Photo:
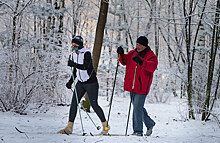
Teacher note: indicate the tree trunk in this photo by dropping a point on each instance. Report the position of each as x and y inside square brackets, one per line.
[215, 94]
[189, 60]
[168, 36]
[127, 33]
[100, 33]
[215, 38]
[15, 53]
[138, 19]
[99, 38]
[156, 29]
[61, 19]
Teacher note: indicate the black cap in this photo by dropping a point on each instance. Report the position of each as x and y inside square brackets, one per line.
[143, 41]
[78, 40]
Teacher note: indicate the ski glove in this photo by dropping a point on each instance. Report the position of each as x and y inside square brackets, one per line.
[71, 63]
[69, 83]
[120, 50]
[138, 60]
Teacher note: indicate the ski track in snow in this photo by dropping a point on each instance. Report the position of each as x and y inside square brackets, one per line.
[170, 125]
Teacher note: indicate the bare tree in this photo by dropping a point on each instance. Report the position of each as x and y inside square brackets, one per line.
[190, 6]
[214, 47]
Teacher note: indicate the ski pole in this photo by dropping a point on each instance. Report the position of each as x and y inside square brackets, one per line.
[97, 127]
[77, 101]
[132, 94]
[113, 90]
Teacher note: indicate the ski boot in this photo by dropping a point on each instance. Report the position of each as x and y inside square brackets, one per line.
[149, 131]
[67, 130]
[105, 129]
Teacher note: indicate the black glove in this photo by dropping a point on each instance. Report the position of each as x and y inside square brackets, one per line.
[120, 50]
[71, 63]
[69, 83]
[138, 60]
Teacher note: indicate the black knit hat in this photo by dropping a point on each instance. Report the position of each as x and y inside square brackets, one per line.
[78, 40]
[143, 41]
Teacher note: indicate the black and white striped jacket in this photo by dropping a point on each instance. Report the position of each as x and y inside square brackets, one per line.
[83, 70]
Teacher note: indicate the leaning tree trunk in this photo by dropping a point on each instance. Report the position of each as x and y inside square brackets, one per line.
[100, 32]
[99, 35]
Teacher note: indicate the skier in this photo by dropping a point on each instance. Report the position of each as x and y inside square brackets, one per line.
[146, 62]
[81, 61]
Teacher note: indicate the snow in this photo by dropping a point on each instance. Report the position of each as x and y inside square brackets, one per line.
[171, 126]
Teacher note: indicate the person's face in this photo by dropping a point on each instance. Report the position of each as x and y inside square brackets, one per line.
[75, 45]
[140, 47]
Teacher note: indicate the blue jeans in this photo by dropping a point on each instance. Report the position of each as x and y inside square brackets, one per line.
[140, 114]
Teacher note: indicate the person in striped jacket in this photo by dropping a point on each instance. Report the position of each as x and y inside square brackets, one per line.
[81, 62]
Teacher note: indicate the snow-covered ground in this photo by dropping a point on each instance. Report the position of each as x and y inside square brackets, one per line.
[170, 125]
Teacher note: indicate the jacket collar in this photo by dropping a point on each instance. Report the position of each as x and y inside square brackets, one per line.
[82, 50]
[143, 53]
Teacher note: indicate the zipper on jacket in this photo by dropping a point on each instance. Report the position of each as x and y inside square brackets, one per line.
[148, 82]
[140, 82]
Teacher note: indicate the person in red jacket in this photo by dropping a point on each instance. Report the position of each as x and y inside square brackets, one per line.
[140, 66]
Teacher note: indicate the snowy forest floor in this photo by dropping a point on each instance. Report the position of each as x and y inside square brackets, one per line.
[171, 127]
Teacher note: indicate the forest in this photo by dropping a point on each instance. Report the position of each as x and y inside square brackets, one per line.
[35, 42]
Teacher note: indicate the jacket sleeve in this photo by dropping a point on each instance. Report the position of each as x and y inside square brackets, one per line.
[74, 75]
[124, 58]
[150, 64]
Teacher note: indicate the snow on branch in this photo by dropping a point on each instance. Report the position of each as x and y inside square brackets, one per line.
[3, 3]
[28, 3]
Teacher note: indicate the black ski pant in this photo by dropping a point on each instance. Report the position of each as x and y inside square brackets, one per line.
[92, 91]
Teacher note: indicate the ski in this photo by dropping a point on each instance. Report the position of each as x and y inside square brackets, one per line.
[90, 134]
[74, 134]
[21, 132]
[107, 134]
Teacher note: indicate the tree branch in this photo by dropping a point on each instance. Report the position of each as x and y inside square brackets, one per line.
[23, 8]
[2, 3]
[3, 105]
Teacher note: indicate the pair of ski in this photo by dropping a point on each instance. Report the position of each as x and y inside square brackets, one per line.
[90, 134]
[76, 134]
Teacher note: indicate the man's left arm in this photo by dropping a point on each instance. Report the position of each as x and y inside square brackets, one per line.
[150, 64]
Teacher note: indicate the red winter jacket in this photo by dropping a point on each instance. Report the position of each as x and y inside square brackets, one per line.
[144, 73]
